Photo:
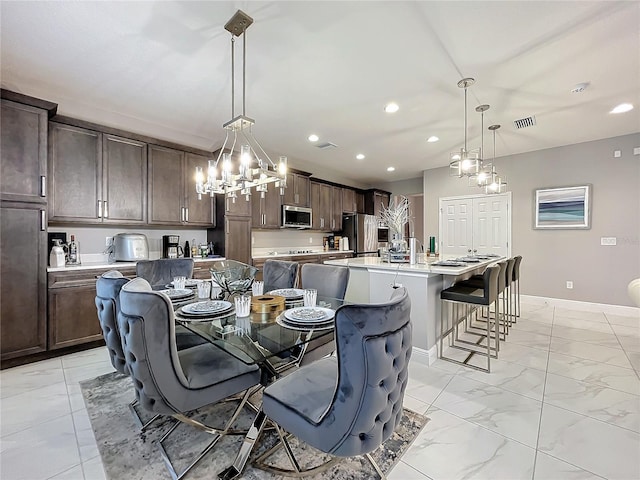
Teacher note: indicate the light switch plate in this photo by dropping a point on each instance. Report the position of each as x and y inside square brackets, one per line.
[636, 150]
[617, 154]
[608, 240]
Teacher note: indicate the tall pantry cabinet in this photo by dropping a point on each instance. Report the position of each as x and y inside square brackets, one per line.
[23, 224]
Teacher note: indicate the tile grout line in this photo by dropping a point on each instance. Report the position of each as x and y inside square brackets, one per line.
[544, 390]
[73, 421]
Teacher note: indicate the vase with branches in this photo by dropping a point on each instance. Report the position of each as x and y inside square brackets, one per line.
[396, 217]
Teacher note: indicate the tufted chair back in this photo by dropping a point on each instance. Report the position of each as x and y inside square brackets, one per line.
[279, 274]
[329, 280]
[108, 288]
[147, 331]
[373, 349]
[160, 272]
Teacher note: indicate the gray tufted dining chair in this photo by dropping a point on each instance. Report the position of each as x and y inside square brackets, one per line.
[330, 281]
[279, 274]
[350, 404]
[108, 287]
[172, 382]
[160, 272]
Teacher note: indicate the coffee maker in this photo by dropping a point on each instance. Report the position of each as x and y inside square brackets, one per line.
[171, 247]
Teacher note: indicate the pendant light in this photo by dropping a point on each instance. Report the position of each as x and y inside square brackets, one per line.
[465, 162]
[494, 183]
[478, 179]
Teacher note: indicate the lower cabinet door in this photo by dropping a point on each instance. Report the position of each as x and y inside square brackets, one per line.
[73, 318]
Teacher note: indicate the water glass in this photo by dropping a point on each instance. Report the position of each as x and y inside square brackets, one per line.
[216, 291]
[179, 283]
[257, 287]
[243, 305]
[204, 290]
[310, 296]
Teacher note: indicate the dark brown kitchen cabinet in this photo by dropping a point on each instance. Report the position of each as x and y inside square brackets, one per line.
[172, 196]
[75, 174]
[124, 180]
[336, 209]
[201, 269]
[266, 211]
[23, 147]
[237, 234]
[348, 200]
[198, 211]
[73, 318]
[23, 252]
[374, 200]
[321, 206]
[96, 178]
[237, 206]
[360, 202]
[297, 191]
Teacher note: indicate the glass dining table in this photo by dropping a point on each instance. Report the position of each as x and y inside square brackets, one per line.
[269, 339]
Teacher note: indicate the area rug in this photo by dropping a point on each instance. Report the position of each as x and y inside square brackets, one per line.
[127, 453]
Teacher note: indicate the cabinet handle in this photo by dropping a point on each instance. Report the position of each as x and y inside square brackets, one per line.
[43, 186]
[264, 218]
[182, 214]
[106, 212]
[43, 221]
[99, 208]
[186, 214]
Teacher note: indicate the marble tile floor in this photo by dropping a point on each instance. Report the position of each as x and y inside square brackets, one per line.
[562, 402]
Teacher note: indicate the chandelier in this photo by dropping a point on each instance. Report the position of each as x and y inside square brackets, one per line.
[254, 167]
[465, 162]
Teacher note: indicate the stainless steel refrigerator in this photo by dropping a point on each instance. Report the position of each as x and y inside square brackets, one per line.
[362, 232]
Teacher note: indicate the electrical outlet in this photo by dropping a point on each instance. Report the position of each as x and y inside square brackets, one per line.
[108, 241]
[608, 240]
[617, 154]
[310, 239]
[569, 284]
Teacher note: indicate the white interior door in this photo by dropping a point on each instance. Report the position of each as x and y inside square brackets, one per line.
[475, 224]
[490, 225]
[456, 226]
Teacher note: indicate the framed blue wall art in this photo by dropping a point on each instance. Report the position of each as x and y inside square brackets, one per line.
[563, 207]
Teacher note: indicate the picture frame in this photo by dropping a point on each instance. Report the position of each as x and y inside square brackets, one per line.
[562, 208]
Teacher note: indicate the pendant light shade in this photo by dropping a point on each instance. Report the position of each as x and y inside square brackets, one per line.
[465, 162]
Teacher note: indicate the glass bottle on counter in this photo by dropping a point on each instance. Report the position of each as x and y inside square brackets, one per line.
[194, 248]
[74, 252]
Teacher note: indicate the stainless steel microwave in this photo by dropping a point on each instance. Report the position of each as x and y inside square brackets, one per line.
[296, 217]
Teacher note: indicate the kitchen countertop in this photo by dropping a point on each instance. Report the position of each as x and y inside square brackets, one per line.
[287, 254]
[116, 265]
[419, 268]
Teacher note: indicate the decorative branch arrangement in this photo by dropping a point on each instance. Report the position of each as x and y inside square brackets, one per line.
[396, 216]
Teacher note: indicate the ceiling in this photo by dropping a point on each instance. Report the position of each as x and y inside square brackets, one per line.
[163, 69]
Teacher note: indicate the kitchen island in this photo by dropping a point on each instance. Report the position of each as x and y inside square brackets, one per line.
[371, 280]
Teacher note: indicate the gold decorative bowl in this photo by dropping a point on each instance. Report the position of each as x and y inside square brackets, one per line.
[266, 308]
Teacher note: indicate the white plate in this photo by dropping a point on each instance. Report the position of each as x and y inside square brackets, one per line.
[175, 293]
[283, 323]
[206, 307]
[288, 293]
[189, 283]
[303, 315]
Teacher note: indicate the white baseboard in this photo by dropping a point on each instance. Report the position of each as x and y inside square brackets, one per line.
[425, 357]
[578, 305]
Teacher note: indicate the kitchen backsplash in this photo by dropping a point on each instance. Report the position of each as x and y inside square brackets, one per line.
[92, 240]
[283, 240]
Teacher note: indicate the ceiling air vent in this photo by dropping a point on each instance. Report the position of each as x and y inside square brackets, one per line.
[525, 122]
[324, 145]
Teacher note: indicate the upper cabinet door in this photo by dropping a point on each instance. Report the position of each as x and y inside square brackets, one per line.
[297, 191]
[165, 186]
[348, 200]
[23, 150]
[198, 212]
[336, 209]
[75, 173]
[124, 180]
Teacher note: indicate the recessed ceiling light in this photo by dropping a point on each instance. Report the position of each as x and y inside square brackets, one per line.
[390, 169]
[432, 139]
[391, 107]
[313, 137]
[360, 156]
[622, 108]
